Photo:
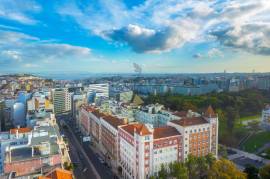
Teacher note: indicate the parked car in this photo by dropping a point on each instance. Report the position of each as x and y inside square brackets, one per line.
[101, 160]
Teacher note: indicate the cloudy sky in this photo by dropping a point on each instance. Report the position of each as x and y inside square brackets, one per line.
[104, 36]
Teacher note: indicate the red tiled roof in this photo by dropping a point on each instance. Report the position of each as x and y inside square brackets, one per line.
[20, 130]
[167, 131]
[114, 121]
[97, 113]
[89, 108]
[190, 121]
[140, 129]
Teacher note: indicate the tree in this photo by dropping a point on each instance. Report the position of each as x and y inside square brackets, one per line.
[68, 166]
[189, 106]
[222, 150]
[252, 172]
[192, 166]
[202, 166]
[163, 173]
[232, 115]
[178, 170]
[210, 159]
[265, 172]
[225, 169]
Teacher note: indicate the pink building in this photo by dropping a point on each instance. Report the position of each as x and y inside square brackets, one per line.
[143, 149]
[140, 150]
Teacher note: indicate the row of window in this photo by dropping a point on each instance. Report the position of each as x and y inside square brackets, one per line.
[199, 130]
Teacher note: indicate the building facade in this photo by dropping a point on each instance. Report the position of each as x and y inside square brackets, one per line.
[61, 100]
[265, 119]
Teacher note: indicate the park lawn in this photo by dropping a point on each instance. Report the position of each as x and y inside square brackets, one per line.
[256, 141]
[249, 118]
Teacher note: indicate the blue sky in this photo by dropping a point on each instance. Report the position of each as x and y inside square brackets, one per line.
[108, 36]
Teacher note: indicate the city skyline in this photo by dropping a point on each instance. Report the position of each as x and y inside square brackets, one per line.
[109, 36]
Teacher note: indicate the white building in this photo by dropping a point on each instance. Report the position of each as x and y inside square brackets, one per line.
[100, 89]
[97, 90]
[13, 138]
[155, 115]
[265, 121]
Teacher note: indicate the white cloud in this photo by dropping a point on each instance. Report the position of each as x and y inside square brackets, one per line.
[171, 24]
[30, 65]
[19, 11]
[15, 55]
[152, 41]
[215, 53]
[19, 47]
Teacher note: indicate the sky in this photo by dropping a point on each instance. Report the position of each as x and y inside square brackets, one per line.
[109, 36]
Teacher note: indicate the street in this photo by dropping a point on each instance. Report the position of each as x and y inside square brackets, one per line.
[79, 162]
[86, 169]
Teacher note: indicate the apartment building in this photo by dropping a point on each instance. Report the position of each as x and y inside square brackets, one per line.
[61, 100]
[109, 137]
[141, 149]
[14, 137]
[265, 119]
[135, 150]
[37, 148]
[154, 114]
[167, 147]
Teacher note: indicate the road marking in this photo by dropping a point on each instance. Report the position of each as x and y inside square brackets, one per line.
[83, 152]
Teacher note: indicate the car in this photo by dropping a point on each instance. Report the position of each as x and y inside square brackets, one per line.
[85, 169]
[101, 160]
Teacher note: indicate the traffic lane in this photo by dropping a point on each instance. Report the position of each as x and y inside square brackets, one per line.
[81, 170]
[82, 151]
[103, 171]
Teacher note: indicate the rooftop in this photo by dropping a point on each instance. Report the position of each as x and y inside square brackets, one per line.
[114, 121]
[210, 112]
[167, 131]
[140, 129]
[21, 153]
[97, 113]
[180, 113]
[59, 173]
[186, 121]
[20, 130]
